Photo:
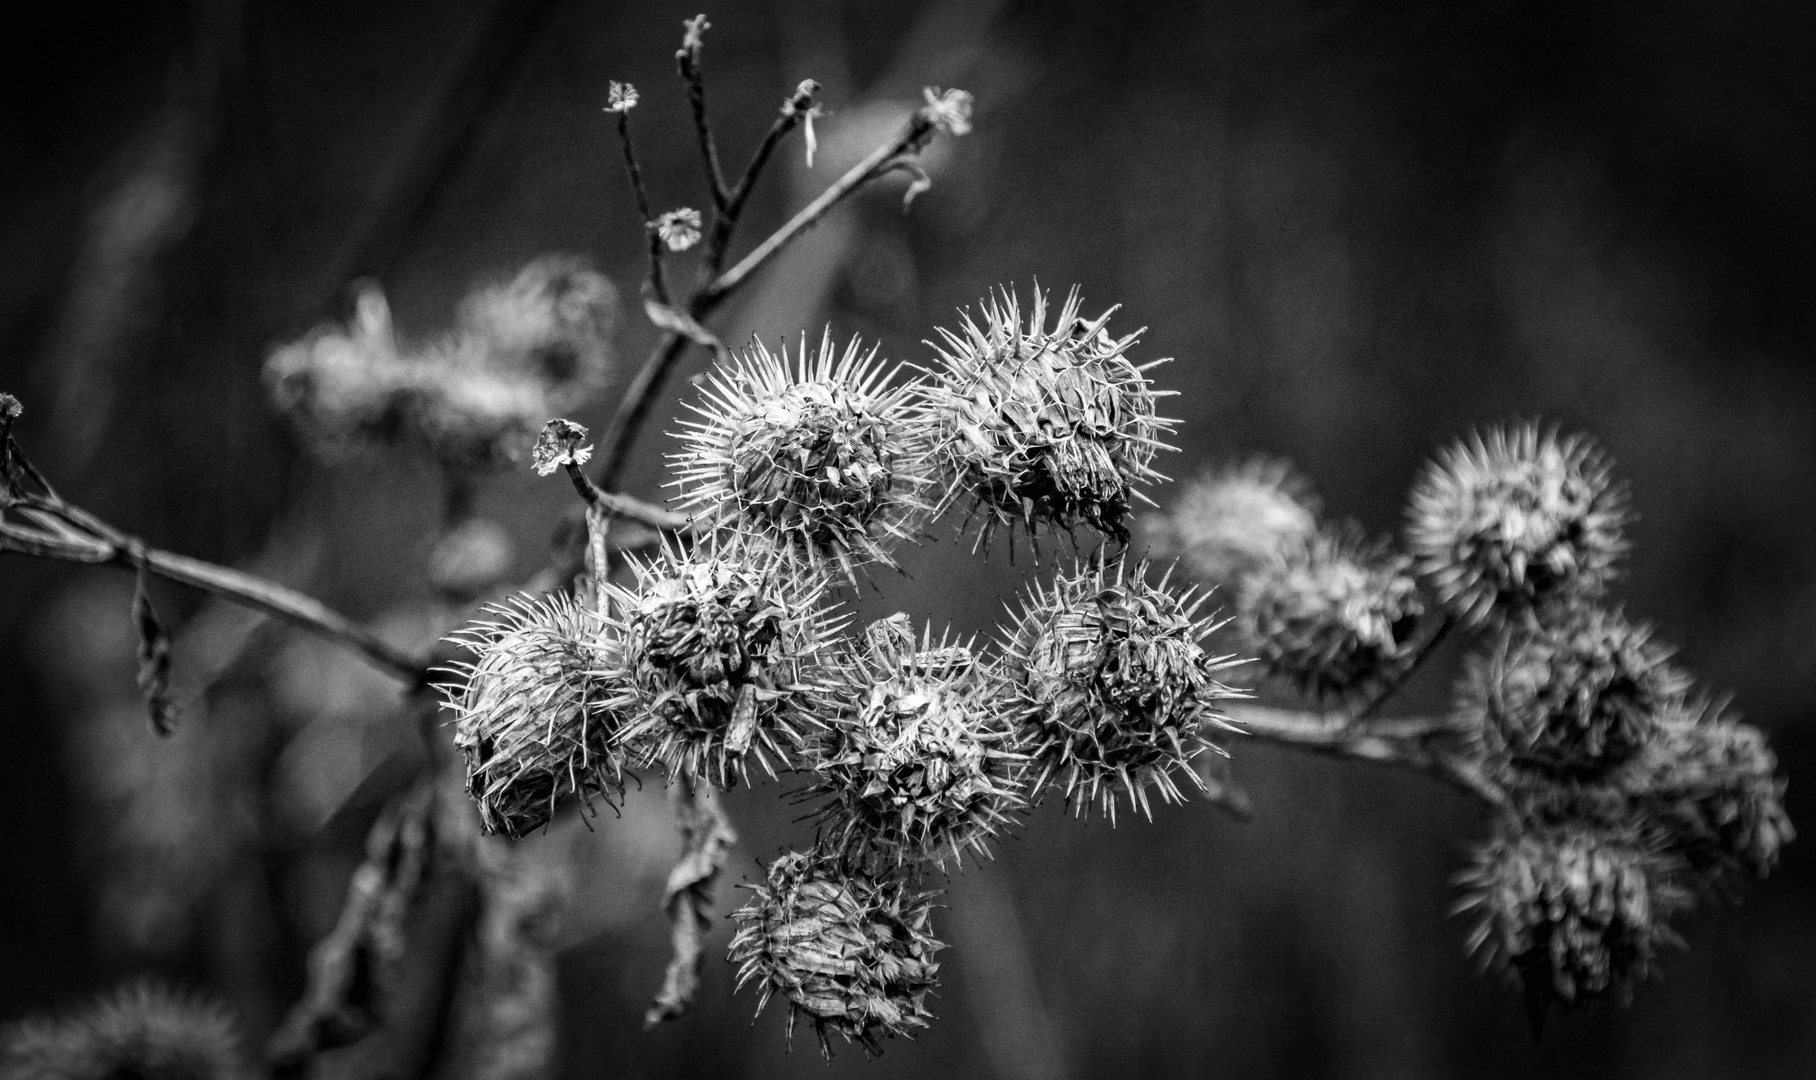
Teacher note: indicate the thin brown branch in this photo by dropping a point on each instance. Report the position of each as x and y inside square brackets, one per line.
[625, 506]
[1426, 648]
[796, 109]
[687, 59]
[652, 237]
[1429, 745]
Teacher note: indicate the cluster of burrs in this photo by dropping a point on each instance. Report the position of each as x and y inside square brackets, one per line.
[726, 646]
[1623, 794]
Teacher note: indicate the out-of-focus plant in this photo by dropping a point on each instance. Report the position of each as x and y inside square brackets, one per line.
[1617, 795]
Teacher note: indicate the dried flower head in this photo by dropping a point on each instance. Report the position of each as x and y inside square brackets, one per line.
[1234, 519]
[620, 97]
[1573, 915]
[921, 765]
[143, 1029]
[949, 110]
[1710, 784]
[560, 444]
[679, 229]
[1515, 521]
[535, 714]
[1335, 615]
[1112, 686]
[1574, 698]
[853, 953]
[823, 455]
[1042, 426]
[721, 658]
[550, 324]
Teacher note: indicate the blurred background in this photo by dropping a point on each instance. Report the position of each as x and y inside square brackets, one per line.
[1360, 229]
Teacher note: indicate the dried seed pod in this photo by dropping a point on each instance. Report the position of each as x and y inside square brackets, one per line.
[1335, 615]
[1572, 915]
[1515, 523]
[823, 455]
[853, 953]
[1043, 427]
[1112, 686]
[721, 658]
[535, 715]
[1572, 699]
[921, 764]
[1710, 784]
[1230, 521]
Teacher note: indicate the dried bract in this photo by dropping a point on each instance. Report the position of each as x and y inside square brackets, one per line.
[1575, 698]
[1043, 426]
[1111, 685]
[822, 455]
[534, 715]
[721, 659]
[1334, 615]
[1574, 916]
[921, 764]
[1232, 520]
[852, 953]
[1514, 522]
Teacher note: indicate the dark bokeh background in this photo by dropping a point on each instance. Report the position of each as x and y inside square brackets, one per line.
[1361, 229]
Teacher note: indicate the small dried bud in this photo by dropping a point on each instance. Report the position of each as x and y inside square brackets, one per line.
[559, 445]
[693, 37]
[140, 1030]
[1112, 686]
[1711, 784]
[1041, 426]
[1335, 616]
[679, 229]
[1515, 522]
[1573, 699]
[949, 110]
[852, 953]
[535, 713]
[922, 764]
[1232, 520]
[822, 456]
[620, 97]
[1573, 916]
[721, 656]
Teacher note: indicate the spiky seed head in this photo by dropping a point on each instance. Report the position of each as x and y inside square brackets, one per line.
[1335, 615]
[1232, 520]
[536, 715]
[1112, 687]
[1573, 915]
[1042, 425]
[822, 454]
[921, 765]
[851, 952]
[1573, 698]
[1711, 784]
[143, 1029]
[722, 657]
[1514, 522]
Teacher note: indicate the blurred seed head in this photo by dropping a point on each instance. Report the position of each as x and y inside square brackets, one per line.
[536, 713]
[1232, 520]
[473, 399]
[471, 559]
[1334, 614]
[143, 1029]
[1574, 916]
[1514, 523]
[1574, 698]
[822, 455]
[853, 953]
[1041, 426]
[1112, 686]
[723, 658]
[1710, 784]
[921, 764]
